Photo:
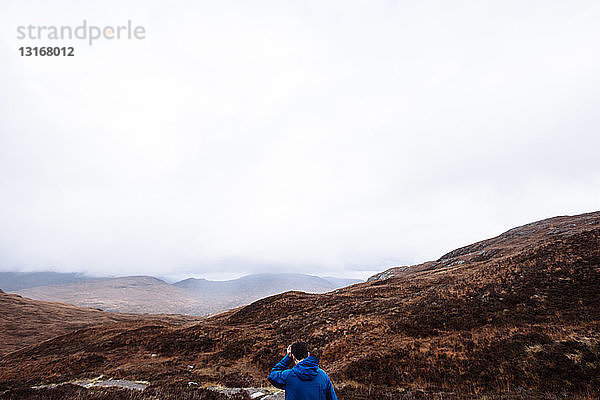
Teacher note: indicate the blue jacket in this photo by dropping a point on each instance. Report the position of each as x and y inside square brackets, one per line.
[306, 381]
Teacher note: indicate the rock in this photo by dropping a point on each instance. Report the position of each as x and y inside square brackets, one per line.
[119, 383]
[254, 392]
[275, 396]
[125, 384]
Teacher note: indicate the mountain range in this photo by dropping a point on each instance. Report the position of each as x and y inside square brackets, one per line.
[512, 317]
[146, 294]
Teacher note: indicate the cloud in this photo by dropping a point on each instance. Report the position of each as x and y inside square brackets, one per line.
[306, 136]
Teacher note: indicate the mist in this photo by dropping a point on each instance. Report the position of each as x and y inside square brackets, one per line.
[330, 138]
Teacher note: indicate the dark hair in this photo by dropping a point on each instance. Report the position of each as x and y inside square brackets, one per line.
[300, 350]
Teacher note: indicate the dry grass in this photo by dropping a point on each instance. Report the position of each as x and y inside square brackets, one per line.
[514, 317]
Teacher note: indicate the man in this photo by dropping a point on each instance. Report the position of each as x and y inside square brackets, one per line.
[305, 381]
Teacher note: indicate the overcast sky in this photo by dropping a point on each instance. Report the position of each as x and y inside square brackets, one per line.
[325, 137]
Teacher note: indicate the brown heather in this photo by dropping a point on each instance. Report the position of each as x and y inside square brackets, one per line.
[513, 317]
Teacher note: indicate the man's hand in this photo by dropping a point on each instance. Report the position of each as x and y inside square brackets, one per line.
[289, 351]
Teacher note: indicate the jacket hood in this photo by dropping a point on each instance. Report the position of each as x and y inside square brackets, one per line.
[306, 370]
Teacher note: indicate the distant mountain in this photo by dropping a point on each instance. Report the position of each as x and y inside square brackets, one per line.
[146, 294]
[244, 290]
[12, 281]
[261, 284]
[341, 282]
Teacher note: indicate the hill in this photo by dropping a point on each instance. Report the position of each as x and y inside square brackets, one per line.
[513, 317]
[515, 240]
[25, 322]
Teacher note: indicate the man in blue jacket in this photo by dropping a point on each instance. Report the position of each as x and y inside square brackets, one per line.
[305, 381]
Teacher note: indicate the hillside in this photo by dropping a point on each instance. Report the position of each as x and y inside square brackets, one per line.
[518, 314]
[25, 322]
[513, 241]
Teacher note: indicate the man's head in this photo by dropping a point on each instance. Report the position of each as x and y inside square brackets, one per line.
[299, 351]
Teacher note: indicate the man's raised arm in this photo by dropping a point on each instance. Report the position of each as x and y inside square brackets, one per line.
[278, 375]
